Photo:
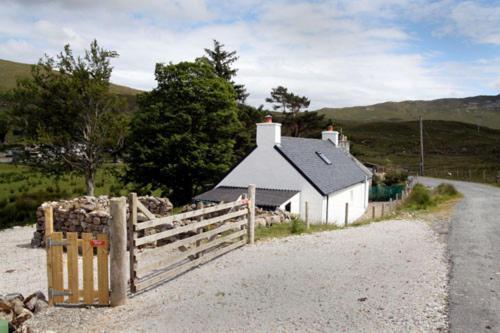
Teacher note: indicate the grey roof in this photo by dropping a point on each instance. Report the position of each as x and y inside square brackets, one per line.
[263, 197]
[344, 170]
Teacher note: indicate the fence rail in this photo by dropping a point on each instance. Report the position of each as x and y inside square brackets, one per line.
[186, 246]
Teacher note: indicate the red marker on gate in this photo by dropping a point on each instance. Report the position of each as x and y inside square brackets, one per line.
[97, 242]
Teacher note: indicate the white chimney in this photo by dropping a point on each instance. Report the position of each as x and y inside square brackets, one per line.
[268, 133]
[331, 135]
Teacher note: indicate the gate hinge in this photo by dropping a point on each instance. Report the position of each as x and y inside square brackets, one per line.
[53, 293]
[51, 242]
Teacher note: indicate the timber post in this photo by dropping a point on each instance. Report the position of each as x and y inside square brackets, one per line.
[251, 214]
[132, 222]
[346, 221]
[118, 233]
[307, 215]
[373, 212]
[49, 229]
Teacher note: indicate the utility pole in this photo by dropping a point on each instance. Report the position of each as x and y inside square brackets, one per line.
[421, 147]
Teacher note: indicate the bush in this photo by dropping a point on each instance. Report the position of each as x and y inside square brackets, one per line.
[297, 226]
[420, 198]
[446, 189]
[395, 177]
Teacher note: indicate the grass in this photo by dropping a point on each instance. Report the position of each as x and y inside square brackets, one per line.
[23, 189]
[295, 227]
[481, 110]
[10, 71]
[421, 200]
[452, 150]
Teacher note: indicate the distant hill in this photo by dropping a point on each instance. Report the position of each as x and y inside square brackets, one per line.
[10, 71]
[479, 110]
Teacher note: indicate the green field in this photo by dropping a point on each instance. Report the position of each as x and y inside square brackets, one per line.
[449, 147]
[22, 190]
[479, 110]
[10, 71]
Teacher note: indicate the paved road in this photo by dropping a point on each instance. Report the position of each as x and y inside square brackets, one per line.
[474, 249]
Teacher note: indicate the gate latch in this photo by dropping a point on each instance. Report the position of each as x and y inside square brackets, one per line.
[51, 242]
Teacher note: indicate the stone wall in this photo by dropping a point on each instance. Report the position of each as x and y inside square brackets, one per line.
[89, 214]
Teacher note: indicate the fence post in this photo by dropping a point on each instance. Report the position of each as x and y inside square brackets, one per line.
[118, 273]
[383, 209]
[307, 215]
[346, 214]
[49, 229]
[373, 212]
[251, 214]
[132, 222]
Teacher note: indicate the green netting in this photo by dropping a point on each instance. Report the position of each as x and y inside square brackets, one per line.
[385, 193]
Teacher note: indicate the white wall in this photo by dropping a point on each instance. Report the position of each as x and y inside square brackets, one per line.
[357, 198]
[294, 204]
[266, 168]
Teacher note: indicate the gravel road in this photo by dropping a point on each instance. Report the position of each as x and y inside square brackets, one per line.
[383, 277]
[474, 250]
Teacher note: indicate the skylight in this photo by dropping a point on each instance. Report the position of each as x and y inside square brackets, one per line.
[323, 157]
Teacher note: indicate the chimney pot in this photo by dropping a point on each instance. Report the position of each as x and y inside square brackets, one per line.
[268, 119]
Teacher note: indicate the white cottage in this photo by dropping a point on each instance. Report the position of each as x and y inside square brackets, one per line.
[288, 172]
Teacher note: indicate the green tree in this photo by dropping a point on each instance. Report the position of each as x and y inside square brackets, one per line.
[4, 126]
[295, 123]
[182, 139]
[222, 60]
[65, 110]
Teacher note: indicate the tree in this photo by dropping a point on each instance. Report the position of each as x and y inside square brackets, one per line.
[287, 101]
[307, 124]
[221, 61]
[4, 126]
[291, 105]
[182, 139]
[67, 112]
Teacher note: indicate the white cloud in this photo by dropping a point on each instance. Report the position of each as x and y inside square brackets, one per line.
[337, 53]
[480, 23]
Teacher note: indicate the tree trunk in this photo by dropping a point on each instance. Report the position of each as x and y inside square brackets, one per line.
[89, 182]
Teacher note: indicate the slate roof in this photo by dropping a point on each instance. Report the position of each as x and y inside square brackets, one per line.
[343, 171]
[263, 197]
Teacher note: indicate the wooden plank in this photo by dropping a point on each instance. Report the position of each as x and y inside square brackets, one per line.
[57, 266]
[183, 268]
[146, 212]
[88, 268]
[185, 241]
[132, 224]
[163, 263]
[72, 258]
[187, 215]
[102, 270]
[189, 227]
[49, 228]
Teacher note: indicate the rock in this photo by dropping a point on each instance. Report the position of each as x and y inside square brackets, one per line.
[31, 301]
[20, 318]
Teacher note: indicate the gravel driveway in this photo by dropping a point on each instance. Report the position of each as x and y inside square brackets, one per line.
[474, 249]
[389, 276]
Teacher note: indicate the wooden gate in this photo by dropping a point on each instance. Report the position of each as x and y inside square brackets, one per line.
[70, 292]
[217, 230]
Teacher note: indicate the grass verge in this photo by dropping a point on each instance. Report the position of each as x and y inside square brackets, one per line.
[421, 200]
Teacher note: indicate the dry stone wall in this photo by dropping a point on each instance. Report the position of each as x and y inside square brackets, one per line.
[89, 214]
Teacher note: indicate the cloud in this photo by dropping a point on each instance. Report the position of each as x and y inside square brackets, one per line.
[478, 22]
[338, 53]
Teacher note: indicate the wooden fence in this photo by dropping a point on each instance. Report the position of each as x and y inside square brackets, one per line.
[55, 244]
[218, 229]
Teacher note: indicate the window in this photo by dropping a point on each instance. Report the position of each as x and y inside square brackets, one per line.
[324, 158]
[288, 207]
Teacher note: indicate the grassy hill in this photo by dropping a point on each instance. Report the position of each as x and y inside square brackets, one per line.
[448, 146]
[10, 71]
[479, 110]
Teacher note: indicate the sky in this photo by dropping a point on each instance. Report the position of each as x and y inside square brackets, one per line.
[337, 53]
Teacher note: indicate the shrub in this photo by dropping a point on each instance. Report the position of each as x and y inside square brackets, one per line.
[420, 198]
[446, 189]
[297, 226]
[395, 177]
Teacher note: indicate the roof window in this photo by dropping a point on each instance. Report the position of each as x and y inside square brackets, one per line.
[323, 157]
